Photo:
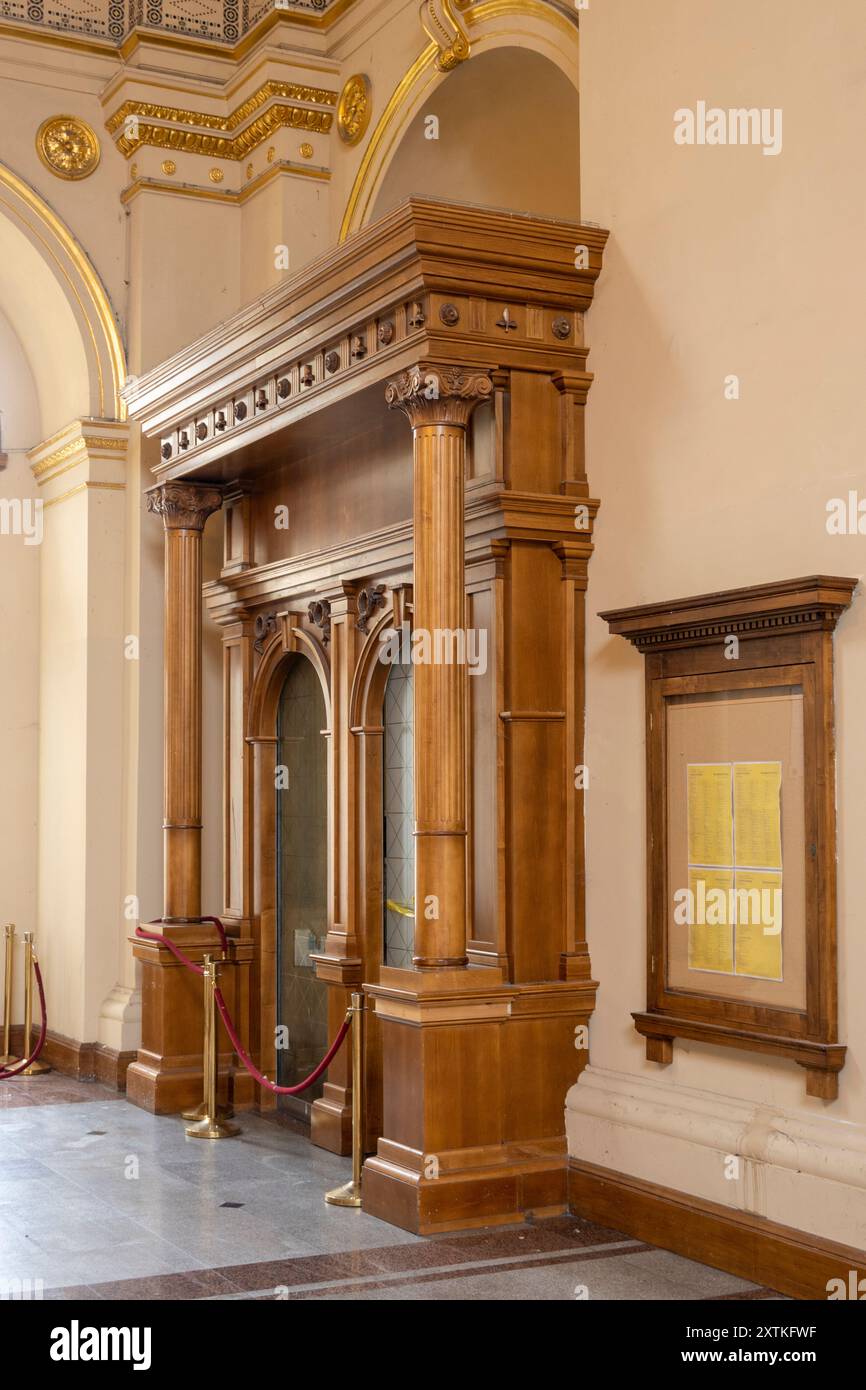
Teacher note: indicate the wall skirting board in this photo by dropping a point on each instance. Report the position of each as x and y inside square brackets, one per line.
[84, 1061]
[651, 1159]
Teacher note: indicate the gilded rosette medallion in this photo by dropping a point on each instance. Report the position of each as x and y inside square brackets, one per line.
[68, 147]
[354, 109]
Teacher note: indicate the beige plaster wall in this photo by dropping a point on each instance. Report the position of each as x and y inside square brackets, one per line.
[721, 261]
[19, 650]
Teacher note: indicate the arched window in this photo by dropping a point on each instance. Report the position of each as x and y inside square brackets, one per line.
[302, 875]
[399, 814]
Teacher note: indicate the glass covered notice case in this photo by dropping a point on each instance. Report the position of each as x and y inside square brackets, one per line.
[741, 891]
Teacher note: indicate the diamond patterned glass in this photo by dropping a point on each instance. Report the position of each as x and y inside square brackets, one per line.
[302, 873]
[399, 809]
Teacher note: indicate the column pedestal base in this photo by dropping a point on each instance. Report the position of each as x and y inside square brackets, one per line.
[166, 1076]
[475, 1075]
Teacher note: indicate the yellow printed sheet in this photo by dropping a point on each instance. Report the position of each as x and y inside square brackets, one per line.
[710, 814]
[735, 858]
[711, 934]
[758, 815]
[758, 907]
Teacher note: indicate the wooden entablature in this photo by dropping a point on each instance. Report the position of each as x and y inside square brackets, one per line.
[433, 281]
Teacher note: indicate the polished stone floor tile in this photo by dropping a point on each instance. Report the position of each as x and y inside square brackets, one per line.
[101, 1200]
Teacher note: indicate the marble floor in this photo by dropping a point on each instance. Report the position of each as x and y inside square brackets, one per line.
[100, 1200]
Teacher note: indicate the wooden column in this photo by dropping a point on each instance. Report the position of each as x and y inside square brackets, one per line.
[184, 508]
[166, 1075]
[438, 402]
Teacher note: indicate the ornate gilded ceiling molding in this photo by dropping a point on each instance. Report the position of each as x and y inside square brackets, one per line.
[441, 24]
[237, 147]
[73, 453]
[176, 115]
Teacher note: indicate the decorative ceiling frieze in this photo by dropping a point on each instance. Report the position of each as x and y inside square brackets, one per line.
[220, 21]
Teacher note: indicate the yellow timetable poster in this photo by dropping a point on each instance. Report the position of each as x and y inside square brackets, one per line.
[710, 813]
[711, 934]
[759, 924]
[757, 815]
[735, 859]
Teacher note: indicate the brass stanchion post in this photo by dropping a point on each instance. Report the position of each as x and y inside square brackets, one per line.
[200, 1111]
[36, 1068]
[212, 1126]
[7, 1056]
[349, 1195]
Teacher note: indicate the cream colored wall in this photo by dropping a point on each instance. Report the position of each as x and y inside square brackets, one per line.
[721, 260]
[39, 81]
[488, 147]
[506, 136]
[19, 650]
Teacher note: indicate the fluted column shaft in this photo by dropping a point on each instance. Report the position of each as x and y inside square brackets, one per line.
[439, 402]
[184, 509]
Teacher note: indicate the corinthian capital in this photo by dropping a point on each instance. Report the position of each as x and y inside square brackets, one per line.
[184, 506]
[434, 395]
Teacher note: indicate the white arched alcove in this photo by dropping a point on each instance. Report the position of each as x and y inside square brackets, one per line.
[20, 427]
[62, 567]
[484, 142]
[523, 48]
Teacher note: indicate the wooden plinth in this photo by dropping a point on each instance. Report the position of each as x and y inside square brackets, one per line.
[474, 1077]
[166, 1076]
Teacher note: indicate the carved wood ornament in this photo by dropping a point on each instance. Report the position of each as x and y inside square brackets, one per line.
[463, 541]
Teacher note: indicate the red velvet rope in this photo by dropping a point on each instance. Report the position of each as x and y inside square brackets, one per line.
[7, 1073]
[164, 941]
[253, 1069]
[224, 941]
[230, 1028]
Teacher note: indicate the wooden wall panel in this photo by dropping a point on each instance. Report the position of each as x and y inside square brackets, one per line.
[335, 494]
[535, 442]
[536, 842]
[486, 762]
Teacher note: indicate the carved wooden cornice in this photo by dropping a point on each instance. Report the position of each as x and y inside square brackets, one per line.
[815, 601]
[368, 311]
[437, 395]
[184, 506]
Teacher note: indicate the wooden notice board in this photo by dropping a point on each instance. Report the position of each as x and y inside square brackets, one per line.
[741, 890]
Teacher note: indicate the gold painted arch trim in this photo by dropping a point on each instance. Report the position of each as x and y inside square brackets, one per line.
[421, 76]
[85, 286]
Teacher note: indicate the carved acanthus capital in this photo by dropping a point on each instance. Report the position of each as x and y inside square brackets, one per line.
[436, 395]
[184, 506]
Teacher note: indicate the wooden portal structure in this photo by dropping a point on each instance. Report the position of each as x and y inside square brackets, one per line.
[395, 439]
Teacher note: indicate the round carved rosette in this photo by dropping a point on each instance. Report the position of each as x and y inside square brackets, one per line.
[68, 147]
[354, 109]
